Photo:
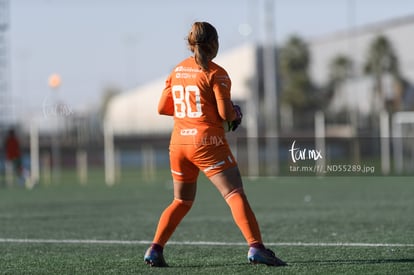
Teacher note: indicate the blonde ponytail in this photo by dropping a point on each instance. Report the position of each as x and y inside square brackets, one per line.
[203, 42]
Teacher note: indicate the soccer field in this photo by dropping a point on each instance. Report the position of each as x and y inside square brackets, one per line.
[331, 225]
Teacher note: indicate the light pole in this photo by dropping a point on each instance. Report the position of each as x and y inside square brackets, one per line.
[270, 92]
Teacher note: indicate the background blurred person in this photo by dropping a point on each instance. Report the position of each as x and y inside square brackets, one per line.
[13, 158]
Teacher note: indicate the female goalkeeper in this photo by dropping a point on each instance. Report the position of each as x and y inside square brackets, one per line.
[197, 95]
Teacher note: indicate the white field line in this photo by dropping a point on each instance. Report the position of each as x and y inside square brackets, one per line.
[194, 243]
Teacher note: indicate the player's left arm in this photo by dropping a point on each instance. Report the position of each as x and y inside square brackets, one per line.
[166, 103]
[227, 110]
[221, 87]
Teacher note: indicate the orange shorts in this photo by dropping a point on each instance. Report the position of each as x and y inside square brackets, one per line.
[187, 160]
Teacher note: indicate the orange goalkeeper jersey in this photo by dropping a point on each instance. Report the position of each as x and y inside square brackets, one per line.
[199, 102]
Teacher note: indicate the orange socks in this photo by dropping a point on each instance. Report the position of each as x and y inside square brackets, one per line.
[170, 219]
[244, 217]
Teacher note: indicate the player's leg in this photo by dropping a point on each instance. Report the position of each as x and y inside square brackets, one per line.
[220, 166]
[223, 172]
[184, 195]
[230, 185]
[185, 176]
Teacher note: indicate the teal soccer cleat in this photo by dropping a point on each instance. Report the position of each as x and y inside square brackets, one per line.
[264, 256]
[154, 258]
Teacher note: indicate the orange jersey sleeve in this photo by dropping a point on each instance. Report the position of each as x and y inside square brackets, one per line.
[166, 103]
[221, 87]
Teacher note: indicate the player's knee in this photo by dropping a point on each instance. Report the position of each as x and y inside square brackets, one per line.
[184, 203]
[233, 192]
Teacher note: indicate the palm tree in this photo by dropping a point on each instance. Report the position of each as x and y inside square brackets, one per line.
[382, 61]
[296, 85]
[340, 69]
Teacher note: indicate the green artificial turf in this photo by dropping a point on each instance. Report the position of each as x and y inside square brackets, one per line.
[317, 225]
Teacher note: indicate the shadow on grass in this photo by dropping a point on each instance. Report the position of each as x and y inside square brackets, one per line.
[369, 261]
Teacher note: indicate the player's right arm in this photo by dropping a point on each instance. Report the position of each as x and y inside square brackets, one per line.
[166, 103]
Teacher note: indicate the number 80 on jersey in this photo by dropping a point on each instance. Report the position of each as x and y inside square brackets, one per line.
[187, 101]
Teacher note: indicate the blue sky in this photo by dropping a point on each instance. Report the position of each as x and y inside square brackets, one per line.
[94, 44]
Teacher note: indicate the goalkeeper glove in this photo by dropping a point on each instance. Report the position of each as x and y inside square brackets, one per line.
[239, 115]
